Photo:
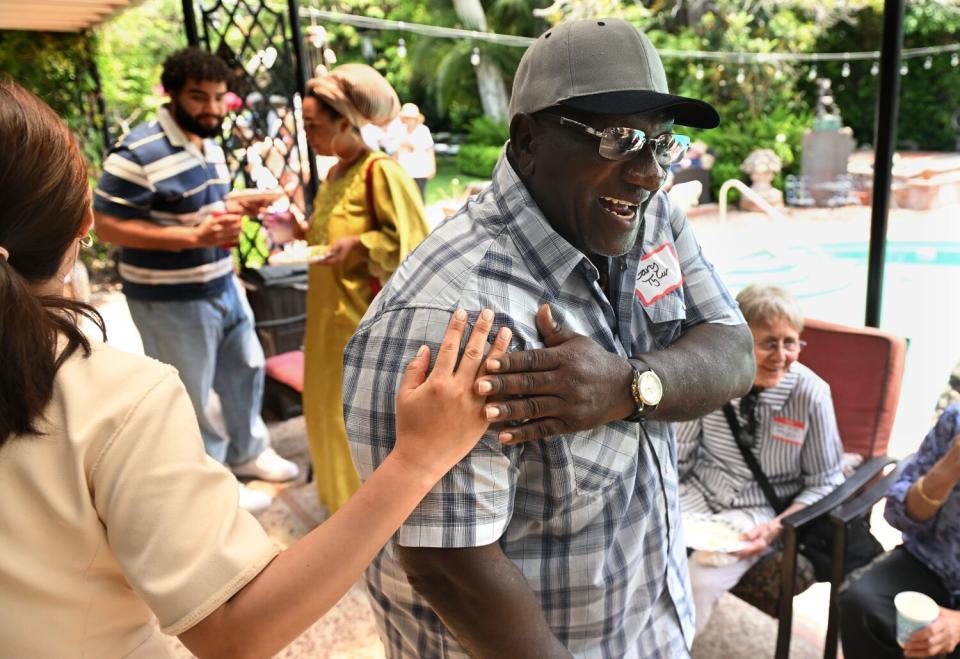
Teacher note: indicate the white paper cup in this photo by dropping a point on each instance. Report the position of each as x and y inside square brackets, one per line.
[914, 611]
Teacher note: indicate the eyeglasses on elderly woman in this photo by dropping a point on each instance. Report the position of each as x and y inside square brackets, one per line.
[791, 346]
[622, 142]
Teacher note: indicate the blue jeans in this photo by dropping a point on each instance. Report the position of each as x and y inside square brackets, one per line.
[212, 343]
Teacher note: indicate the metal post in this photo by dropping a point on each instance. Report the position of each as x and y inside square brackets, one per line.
[298, 55]
[190, 24]
[885, 140]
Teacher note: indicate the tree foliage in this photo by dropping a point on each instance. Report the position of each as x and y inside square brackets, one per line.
[130, 54]
[58, 67]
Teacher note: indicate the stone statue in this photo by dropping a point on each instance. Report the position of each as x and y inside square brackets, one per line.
[762, 165]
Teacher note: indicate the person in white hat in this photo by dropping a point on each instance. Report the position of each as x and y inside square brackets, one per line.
[571, 546]
[414, 145]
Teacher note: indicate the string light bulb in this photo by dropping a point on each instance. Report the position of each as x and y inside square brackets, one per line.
[845, 70]
[699, 73]
[928, 63]
[475, 56]
[904, 69]
[741, 76]
[401, 48]
[813, 73]
[874, 69]
[778, 74]
[954, 59]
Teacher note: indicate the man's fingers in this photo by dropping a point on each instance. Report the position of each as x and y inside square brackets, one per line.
[550, 329]
[534, 407]
[450, 345]
[533, 431]
[416, 371]
[473, 352]
[539, 359]
[521, 384]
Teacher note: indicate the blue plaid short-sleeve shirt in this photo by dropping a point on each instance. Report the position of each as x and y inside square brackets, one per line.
[590, 519]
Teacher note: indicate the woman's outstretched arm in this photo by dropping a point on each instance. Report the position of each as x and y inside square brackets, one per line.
[439, 420]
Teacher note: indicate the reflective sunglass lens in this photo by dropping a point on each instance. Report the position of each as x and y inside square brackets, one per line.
[621, 143]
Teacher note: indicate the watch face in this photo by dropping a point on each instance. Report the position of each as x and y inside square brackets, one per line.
[651, 390]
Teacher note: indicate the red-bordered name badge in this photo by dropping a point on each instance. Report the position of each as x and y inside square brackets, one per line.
[787, 430]
[659, 274]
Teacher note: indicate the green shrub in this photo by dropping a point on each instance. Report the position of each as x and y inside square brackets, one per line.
[478, 159]
[488, 132]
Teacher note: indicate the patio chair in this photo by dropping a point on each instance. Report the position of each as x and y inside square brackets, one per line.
[840, 518]
[864, 368]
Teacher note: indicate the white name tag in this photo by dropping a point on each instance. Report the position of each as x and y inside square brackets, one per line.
[659, 274]
[787, 430]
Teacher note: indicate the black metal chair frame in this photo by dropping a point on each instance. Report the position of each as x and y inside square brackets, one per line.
[841, 518]
[792, 524]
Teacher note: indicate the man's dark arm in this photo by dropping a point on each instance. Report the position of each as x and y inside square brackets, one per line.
[574, 384]
[483, 599]
[705, 368]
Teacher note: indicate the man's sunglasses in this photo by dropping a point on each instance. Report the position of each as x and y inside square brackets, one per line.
[621, 143]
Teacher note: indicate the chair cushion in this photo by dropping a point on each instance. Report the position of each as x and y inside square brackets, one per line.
[864, 368]
[287, 368]
[760, 585]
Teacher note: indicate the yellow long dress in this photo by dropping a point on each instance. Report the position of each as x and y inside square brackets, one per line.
[339, 295]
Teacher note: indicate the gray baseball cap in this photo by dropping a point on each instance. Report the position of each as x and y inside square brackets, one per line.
[604, 66]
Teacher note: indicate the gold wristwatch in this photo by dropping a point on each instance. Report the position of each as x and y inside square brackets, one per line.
[646, 389]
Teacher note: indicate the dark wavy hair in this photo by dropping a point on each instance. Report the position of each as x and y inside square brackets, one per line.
[44, 202]
[192, 64]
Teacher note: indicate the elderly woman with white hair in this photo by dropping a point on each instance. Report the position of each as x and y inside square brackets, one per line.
[785, 425]
[367, 216]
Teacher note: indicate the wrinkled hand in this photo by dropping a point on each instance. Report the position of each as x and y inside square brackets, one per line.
[339, 250]
[571, 385]
[760, 537]
[440, 417]
[220, 228]
[939, 637]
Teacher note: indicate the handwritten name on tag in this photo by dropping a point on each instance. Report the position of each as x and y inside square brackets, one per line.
[787, 430]
[659, 274]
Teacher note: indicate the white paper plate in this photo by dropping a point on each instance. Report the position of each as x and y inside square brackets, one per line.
[265, 196]
[298, 255]
[707, 532]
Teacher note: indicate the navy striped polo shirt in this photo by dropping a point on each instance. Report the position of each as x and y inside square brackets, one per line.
[156, 174]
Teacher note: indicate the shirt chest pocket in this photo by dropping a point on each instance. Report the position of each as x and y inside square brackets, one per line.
[659, 323]
[596, 460]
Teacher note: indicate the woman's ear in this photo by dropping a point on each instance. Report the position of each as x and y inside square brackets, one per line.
[87, 223]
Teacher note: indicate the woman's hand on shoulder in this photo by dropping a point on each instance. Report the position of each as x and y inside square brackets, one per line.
[440, 417]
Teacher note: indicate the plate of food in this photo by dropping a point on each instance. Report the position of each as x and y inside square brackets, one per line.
[298, 253]
[265, 196]
[712, 533]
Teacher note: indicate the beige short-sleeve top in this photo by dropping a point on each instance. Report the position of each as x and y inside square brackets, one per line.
[113, 514]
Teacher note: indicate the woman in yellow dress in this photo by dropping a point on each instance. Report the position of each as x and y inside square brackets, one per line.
[367, 215]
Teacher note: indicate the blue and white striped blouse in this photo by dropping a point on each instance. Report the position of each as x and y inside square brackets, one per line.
[798, 449]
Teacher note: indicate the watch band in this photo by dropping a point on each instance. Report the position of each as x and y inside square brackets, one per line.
[641, 410]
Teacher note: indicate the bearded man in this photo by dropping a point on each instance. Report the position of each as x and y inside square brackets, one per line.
[161, 198]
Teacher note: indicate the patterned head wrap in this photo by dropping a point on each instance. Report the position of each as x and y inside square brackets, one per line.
[358, 92]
